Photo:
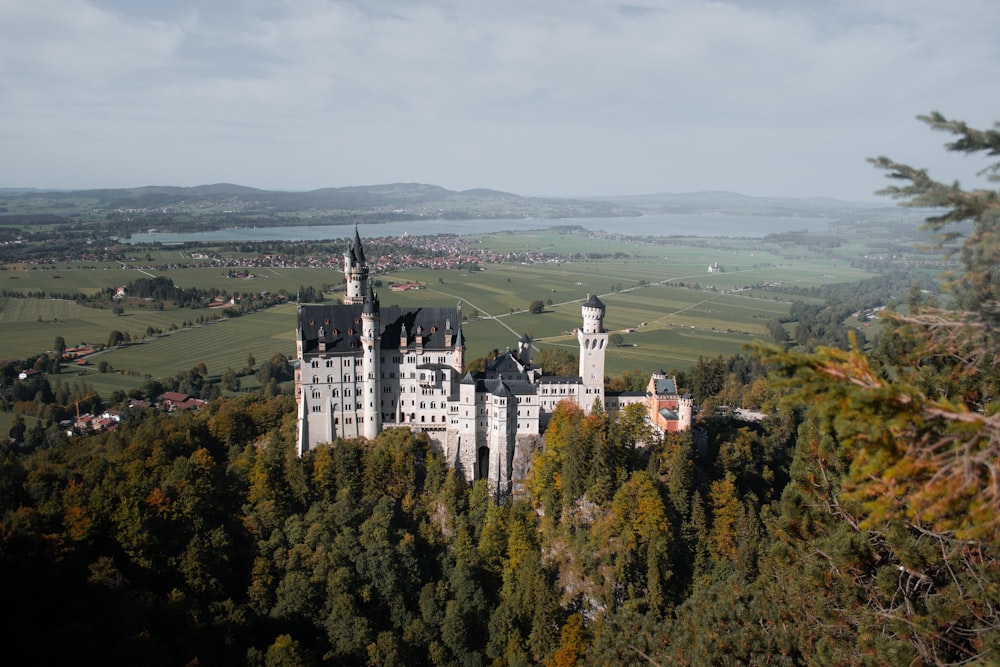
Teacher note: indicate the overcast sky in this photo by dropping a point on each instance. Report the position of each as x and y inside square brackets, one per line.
[535, 97]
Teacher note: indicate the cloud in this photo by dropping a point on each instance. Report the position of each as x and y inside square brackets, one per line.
[541, 98]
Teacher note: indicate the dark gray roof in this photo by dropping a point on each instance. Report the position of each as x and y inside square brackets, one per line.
[505, 363]
[339, 326]
[560, 379]
[665, 386]
[508, 387]
[593, 302]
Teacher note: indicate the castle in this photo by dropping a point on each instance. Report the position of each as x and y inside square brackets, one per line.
[361, 368]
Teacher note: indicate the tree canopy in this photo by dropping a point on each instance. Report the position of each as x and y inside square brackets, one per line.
[856, 523]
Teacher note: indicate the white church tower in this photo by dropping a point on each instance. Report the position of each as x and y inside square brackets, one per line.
[593, 346]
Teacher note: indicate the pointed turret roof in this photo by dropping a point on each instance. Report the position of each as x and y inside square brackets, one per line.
[593, 302]
[356, 249]
[371, 305]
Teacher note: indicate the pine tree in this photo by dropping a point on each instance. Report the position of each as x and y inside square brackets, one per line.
[899, 483]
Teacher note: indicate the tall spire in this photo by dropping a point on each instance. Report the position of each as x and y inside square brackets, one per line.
[359, 252]
[371, 304]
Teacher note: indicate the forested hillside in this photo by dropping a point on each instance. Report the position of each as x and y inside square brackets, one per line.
[857, 524]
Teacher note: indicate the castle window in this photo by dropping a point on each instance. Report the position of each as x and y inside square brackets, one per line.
[315, 379]
[315, 363]
[316, 394]
[329, 379]
[329, 363]
[317, 408]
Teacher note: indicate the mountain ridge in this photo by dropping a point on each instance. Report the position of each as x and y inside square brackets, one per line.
[125, 211]
[377, 196]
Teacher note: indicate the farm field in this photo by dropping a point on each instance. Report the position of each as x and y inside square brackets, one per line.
[661, 297]
[219, 345]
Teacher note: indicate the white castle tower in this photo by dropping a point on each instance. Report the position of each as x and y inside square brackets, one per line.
[593, 346]
[355, 271]
[371, 385]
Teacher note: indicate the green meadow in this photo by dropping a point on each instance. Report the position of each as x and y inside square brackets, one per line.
[662, 299]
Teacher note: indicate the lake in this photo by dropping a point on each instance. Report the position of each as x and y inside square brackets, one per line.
[709, 224]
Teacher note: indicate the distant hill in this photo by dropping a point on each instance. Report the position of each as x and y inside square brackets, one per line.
[368, 203]
[226, 204]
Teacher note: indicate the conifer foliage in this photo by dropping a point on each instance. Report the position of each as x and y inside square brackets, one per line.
[858, 523]
[904, 455]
